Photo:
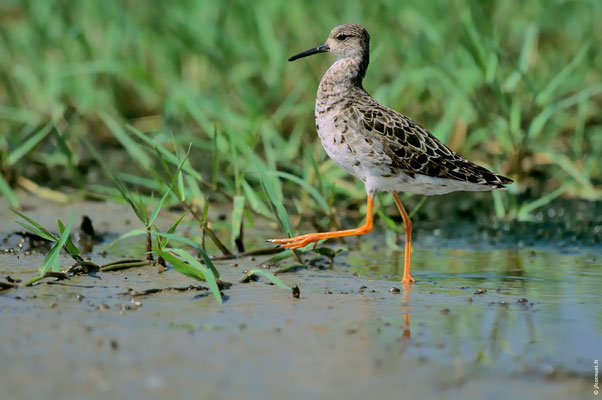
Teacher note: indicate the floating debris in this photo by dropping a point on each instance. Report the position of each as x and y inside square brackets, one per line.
[166, 289]
[124, 263]
[49, 274]
[7, 285]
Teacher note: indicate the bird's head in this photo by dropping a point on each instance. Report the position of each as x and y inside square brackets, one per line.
[345, 41]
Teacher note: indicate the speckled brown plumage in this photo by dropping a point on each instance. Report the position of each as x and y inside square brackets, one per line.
[385, 149]
[414, 150]
[371, 140]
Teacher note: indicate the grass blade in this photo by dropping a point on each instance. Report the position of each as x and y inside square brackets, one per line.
[210, 278]
[191, 243]
[173, 183]
[274, 195]
[545, 95]
[237, 214]
[215, 161]
[525, 211]
[126, 141]
[6, 191]
[193, 269]
[313, 191]
[138, 206]
[37, 228]
[29, 144]
[271, 277]
[37, 232]
[52, 258]
[69, 245]
[166, 154]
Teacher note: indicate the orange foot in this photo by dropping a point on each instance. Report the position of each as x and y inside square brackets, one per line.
[303, 240]
[300, 241]
[408, 279]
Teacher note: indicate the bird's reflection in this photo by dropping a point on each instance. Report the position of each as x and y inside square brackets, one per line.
[406, 307]
[406, 304]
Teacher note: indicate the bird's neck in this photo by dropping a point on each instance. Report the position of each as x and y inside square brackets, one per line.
[345, 73]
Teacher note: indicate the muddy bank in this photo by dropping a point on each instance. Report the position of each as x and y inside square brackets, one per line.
[355, 331]
[482, 321]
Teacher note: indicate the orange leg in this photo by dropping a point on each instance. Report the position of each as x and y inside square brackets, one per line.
[303, 240]
[407, 227]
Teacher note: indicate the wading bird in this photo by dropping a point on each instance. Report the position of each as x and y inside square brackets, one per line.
[388, 151]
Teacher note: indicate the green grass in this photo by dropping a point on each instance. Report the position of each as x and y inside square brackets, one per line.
[514, 85]
[51, 261]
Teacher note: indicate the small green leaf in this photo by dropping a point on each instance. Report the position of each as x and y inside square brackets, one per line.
[6, 191]
[237, 214]
[205, 211]
[210, 278]
[41, 231]
[174, 226]
[52, 258]
[37, 232]
[271, 277]
[193, 269]
[180, 265]
[69, 245]
[162, 242]
[191, 243]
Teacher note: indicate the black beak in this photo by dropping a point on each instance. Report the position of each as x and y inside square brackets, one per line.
[320, 49]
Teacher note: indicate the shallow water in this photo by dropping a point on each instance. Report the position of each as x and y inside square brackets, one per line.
[541, 312]
[533, 333]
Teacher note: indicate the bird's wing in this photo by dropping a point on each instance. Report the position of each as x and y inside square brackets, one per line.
[414, 150]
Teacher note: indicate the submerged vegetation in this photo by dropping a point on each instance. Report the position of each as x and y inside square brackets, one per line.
[192, 104]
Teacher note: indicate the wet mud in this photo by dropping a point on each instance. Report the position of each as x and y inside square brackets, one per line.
[492, 321]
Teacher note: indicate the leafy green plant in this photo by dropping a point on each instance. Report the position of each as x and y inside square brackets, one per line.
[186, 264]
[51, 261]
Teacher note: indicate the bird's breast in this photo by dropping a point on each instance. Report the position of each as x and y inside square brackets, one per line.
[333, 132]
[345, 140]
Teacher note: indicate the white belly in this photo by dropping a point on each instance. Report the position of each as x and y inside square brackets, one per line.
[368, 162]
[418, 184]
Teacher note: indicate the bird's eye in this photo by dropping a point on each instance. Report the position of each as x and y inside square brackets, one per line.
[342, 37]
